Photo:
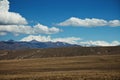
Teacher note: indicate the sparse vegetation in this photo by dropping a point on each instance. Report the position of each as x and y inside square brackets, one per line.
[58, 52]
[92, 67]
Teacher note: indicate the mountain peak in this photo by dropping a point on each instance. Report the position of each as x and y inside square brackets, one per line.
[11, 40]
[34, 41]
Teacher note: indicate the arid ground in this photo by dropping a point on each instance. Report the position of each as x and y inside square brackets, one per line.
[91, 67]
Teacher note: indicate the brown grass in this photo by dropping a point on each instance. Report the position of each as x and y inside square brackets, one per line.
[58, 52]
[105, 67]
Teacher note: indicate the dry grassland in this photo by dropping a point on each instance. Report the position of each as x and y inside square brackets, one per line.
[104, 67]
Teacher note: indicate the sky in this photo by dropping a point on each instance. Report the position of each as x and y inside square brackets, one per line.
[83, 22]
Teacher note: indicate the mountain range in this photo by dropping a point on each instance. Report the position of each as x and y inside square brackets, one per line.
[17, 45]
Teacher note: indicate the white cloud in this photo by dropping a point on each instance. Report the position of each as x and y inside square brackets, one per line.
[114, 43]
[39, 28]
[9, 18]
[4, 5]
[38, 38]
[99, 43]
[114, 23]
[71, 40]
[22, 29]
[87, 22]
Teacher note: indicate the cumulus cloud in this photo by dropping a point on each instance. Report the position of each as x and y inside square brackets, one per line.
[71, 40]
[11, 22]
[38, 38]
[114, 23]
[22, 29]
[87, 22]
[9, 18]
[99, 43]
[39, 28]
[4, 5]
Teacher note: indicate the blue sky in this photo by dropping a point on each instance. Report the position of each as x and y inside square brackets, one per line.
[51, 13]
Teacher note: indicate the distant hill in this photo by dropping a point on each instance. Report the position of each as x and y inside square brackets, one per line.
[58, 52]
[14, 45]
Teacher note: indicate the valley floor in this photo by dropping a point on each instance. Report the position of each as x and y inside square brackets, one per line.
[92, 67]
